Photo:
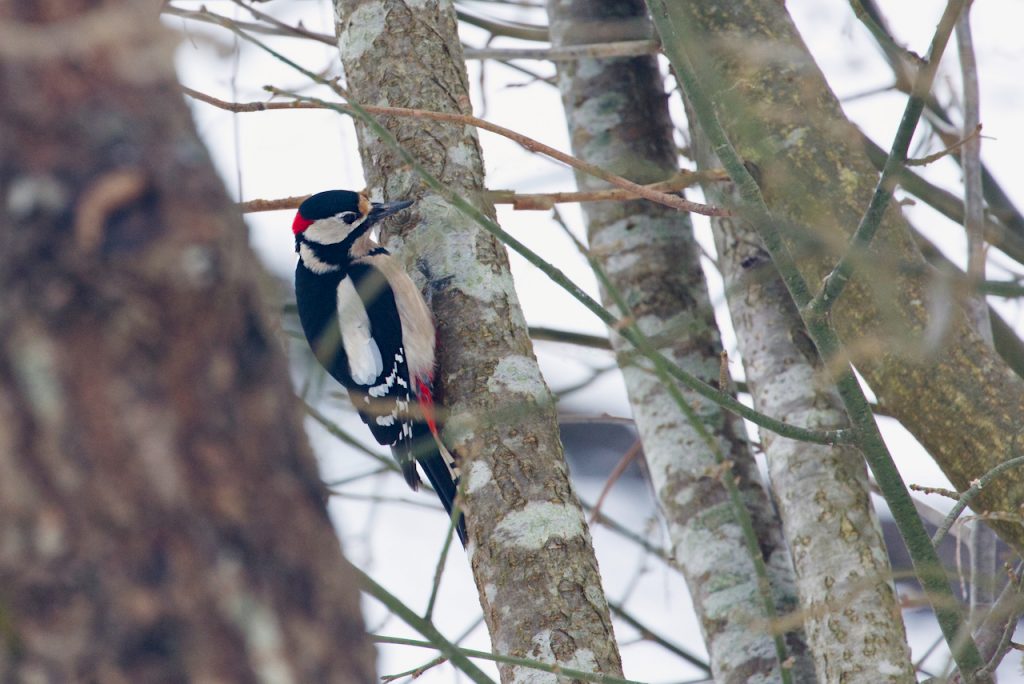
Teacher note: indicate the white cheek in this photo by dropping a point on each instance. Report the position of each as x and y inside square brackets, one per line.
[330, 231]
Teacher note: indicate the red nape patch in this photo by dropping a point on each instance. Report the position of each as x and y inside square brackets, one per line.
[300, 223]
[427, 406]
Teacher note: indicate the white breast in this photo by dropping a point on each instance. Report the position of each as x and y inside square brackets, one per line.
[364, 361]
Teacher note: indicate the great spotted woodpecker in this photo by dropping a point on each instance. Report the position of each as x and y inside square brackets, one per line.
[369, 326]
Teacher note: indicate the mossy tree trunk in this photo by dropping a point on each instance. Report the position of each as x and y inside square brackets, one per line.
[921, 356]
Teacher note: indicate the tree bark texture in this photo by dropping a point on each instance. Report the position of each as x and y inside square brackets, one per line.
[618, 119]
[917, 349]
[161, 516]
[530, 549]
[847, 600]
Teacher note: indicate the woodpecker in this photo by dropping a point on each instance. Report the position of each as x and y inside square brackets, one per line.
[367, 323]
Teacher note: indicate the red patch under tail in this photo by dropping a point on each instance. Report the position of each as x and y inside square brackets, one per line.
[426, 398]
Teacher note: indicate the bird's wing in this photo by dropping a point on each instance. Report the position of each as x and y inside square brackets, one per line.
[383, 400]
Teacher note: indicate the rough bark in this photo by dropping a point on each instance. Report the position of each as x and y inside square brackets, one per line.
[618, 119]
[919, 353]
[161, 515]
[853, 623]
[530, 548]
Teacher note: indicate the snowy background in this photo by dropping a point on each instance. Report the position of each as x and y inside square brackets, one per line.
[276, 154]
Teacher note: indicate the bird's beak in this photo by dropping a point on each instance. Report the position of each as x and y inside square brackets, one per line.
[380, 210]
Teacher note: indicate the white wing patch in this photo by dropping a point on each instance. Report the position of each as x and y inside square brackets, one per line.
[385, 387]
[364, 362]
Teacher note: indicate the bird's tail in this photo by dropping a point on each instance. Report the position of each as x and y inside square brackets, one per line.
[437, 462]
[441, 469]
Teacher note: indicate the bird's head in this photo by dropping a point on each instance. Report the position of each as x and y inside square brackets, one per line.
[328, 224]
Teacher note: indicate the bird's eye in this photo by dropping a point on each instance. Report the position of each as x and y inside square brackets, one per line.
[348, 216]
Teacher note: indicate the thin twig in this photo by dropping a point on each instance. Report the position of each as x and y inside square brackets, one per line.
[435, 639]
[546, 200]
[453, 522]
[970, 160]
[967, 496]
[296, 31]
[947, 204]
[279, 29]
[631, 454]
[538, 332]
[883, 37]
[649, 635]
[509, 29]
[981, 540]
[969, 136]
[554, 668]
[420, 669]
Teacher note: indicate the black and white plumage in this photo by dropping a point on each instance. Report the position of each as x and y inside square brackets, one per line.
[369, 326]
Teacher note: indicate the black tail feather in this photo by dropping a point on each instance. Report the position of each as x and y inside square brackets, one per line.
[440, 476]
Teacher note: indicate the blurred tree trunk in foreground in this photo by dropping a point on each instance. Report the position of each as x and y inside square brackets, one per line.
[618, 119]
[530, 547]
[161, 516]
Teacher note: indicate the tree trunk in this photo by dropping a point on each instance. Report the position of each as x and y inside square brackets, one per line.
[161, 515]
[618, 119]
[922, 357]
[847, 600]
[530, 548]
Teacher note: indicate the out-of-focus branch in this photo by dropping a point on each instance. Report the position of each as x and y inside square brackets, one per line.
[948, 204]
[649, 635]
[970, 494]
[982, 540]
[836, 281]
[509, 29]
[538, 332]
[278, 28]
[974, 200]
[527, 663]
[969, 135]
[622, 48]
[1000, 204]
[458, 657]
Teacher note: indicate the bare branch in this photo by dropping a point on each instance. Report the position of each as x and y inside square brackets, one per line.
[632, 190]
